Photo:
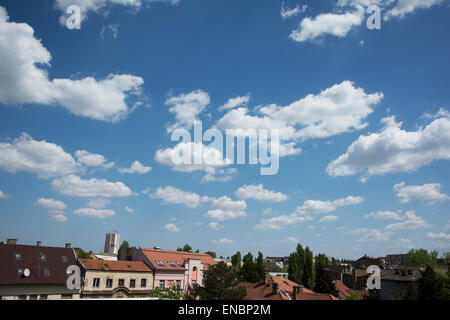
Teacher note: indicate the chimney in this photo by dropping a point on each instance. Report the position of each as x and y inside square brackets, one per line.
[38, 243]
[11, 241]
[300, 288]
[275, 287]
[68, 245]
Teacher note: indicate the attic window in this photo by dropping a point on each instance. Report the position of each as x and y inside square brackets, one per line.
[171, 264]
[18, 256]
[128, 266]
[47, 272]
[64, 258]
[20, 272]
[160, 263]
[43, 258]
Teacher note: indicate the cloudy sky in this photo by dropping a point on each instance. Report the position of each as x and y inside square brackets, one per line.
[86, 117]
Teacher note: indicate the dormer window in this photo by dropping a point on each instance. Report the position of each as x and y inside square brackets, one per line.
[43, 258]
[18, 256]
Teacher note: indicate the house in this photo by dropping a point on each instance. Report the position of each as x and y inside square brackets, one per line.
[394, 282]
[397, 259]
[281, 288]
[174, 268]
[30, 272]
[345, 292]
[365, 262]
[115, 279]
[279, 261]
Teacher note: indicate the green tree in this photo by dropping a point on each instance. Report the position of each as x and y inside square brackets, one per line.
[123, 246]
[293, 268]
[187, 248]
[236, 261]
[353, 296]
[411, 293]
[374, 294]
[308, 269]
[249, 269]
[220, 282]
[430, 286]
[260, 269]
[421, 257]
[212, 254]
[323, 283]
[83, 254]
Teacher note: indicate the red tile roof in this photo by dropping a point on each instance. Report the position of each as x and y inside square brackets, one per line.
[111, 265]
[166, 257]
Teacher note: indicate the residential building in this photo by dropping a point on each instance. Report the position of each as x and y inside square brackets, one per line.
[282, 262]
[36, 272]
[394, 282]
[175, 268]
[397, 259]
[365, 262]
[115, 279]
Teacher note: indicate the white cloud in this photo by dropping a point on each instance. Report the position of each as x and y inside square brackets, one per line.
[327, 24]
[280, 221]
[328, 219]
[72, 185]
[258, 192]
[128, 209]
[402, 243]
[55, 207]
[215, 226]
[220, 175]
[4, 195]
[404, 7]
[114, 28]
[319, 206]
[338, 109]
[99, 203]
[24, 79]
[223, 241]
[427, 192]
[409, 222]
[136, 167]
[172, 195]
[186, 108]
[222, 215]
[291, 12]
[94, 213]
[394, 150]
[170, 227]
[232, 103]
[384, 215]
[358, 231]
[39, 157]
[92, 160]
[439, 236]
[375, 235]
[290, 239]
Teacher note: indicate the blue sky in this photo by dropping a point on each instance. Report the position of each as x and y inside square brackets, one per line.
[86, 117]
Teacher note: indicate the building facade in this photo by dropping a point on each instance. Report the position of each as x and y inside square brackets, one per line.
[35, 272]
[115, 279]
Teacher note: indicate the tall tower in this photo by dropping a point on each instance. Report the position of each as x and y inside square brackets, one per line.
[112, 243]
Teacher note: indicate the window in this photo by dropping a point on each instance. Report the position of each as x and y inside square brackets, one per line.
[121, 283]
[43, 297]
[46, 272]
[410, 272]
[43, 257]
[171, 264]
[18, 256]
[64, 258]
[22, 297]
[178, 284]
[160, 263]
[66, 296]
[143, 283]
[109, 283]
[20, 272]
[96, 283]
[33, 297]
[132, 283]
[162, 284]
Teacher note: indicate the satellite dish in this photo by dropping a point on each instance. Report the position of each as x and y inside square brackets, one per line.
[26, 272]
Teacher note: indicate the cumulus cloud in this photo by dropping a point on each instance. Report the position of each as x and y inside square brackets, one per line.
[172, 195]
[99, 203]
[94, 213]
[128, 209]
[215, 226]
[327, 24]
[287, 12]
[232, 103]
[394, 150]
[224, 208]
[73, 185]
[290, 239]
[170, 227]
[281, 221]
[55, 207]
[375, 235]
[136, 167]
[427, 192]
[258, 192]
[338, 109]
[223, 241]
[439, 236]
[384, 215]
[328, 219]
[4, 195]
[186, 108]
[92, 160]
[405, 7]
[39, 157]
[24, 79]
[409, 222]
